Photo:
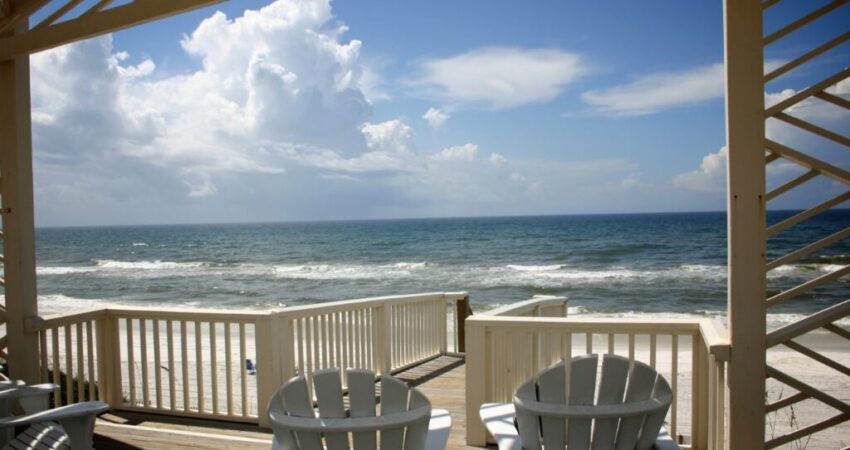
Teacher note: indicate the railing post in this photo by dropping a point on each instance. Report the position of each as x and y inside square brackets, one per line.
[267, 340]
[462, 311]
[442, 320]
[109, 360]
[700, 408]
[286, 349]
[382, 318]
[477, 374]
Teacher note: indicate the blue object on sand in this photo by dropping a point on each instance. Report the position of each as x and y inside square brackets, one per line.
[250, 367]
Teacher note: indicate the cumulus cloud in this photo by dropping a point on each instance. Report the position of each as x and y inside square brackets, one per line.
[711, 175]
[276, 120]
[435, 117]
[498, 78]
[466, 152]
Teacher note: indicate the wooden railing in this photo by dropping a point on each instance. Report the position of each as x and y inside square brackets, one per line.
[504, 351]
[193, 362]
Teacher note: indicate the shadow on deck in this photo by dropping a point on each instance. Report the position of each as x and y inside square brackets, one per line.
[442, 379]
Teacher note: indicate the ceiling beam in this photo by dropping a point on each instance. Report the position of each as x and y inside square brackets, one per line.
[94, 24]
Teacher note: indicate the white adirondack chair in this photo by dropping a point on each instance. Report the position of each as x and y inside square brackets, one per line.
[66, 427]
[627, 413]
[406, 420]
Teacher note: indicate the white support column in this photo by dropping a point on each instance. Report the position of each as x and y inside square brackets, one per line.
[746, 221]
[16, 189]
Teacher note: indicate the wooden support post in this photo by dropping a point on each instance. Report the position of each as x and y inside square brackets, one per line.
[16, 191]
[286, 347]
[462, 311]
[746, 221]
[267, 341]
[477, 383]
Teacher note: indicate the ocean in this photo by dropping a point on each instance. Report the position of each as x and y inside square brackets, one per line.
[635, 265]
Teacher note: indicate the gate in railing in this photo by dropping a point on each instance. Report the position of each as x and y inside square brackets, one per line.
[761, 136]
[193, 362]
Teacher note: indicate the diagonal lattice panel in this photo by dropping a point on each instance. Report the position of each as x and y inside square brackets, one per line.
[797, 338]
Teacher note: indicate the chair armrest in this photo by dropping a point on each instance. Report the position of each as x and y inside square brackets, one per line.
[499, 420]
[561, 411]
[349, 424]
[28, 391]
[57, 414]
[439, 428]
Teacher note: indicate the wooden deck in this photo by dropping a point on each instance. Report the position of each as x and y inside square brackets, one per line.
[442, 379]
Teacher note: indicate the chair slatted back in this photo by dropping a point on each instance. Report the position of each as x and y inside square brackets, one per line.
[626, 412]
[297, 425]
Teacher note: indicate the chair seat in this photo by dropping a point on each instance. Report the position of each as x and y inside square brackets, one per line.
[41, 436]
[499, 420]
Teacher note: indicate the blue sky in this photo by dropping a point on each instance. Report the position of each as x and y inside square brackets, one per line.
[305, 110]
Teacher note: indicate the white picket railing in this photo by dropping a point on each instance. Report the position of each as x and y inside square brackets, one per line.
[193, 362]
[503, 351]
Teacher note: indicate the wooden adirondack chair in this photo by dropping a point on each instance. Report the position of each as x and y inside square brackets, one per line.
[66, 427]
[406, 420]
[627, 413]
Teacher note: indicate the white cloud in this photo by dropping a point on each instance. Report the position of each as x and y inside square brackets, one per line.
[466, 152]
[658, 91]
[435, 117]
[498, 78]
[281, 74]
[276, 123]
[711, 175]
[497, 160]
[389, 136]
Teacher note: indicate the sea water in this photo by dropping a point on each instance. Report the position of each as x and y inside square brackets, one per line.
[636, 265]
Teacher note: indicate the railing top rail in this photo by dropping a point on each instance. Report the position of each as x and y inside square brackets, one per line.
[716, 338]
[527, 305]
[226, 315]
[345, 305]
[34, 324]
[590, 325]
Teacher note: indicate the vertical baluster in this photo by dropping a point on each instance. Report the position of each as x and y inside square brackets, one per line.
[611, 343]
[42, 344]
[568, 356]
[157, 364]
[340, 345]
[299, 343]
[323, 340]
[317, 352]
[674, 383]
[169, 337]
[131, 360]
[332, 338]
[631, 347]
[243, 369]
[143, 343]
[213, 368]
[184, 355]
[81, 372]
[346, 330]
[228, 365]
[199, 367]
[91, 360]
[652, 350]
[54, 337]
[69, 366]
[308, 345]
[370, 346]
[588, 342]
